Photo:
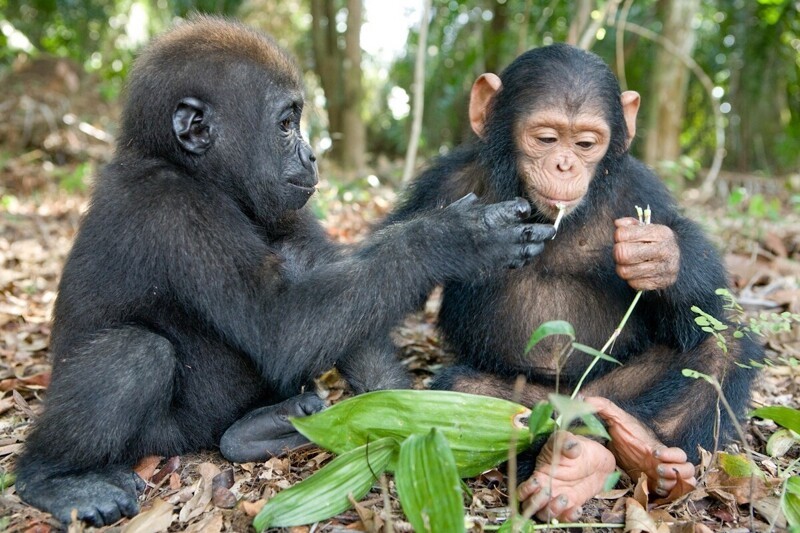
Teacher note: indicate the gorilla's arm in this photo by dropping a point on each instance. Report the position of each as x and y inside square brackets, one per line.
[295, 322]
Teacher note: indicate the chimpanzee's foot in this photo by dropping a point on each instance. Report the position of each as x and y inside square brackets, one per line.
[570, 469]
[100, 497]
[267, 431]
[637, 450]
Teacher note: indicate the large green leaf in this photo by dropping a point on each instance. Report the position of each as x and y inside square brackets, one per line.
[479, 429]
[781, 415]
[428, 484]
[325, 493]
[790, 503]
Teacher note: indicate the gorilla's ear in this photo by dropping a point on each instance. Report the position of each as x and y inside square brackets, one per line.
[191, 123]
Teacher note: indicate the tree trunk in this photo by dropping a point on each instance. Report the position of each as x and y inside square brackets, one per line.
[338, 65]
[580, 21]
[354, 131]
[669, 83]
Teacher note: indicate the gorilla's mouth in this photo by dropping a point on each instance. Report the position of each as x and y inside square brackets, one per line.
[307, 188]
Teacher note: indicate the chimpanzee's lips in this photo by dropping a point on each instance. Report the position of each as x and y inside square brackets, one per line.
[558, 203]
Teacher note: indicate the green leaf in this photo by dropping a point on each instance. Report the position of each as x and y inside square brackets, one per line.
[739, 466]
[781, 415]
[325, 493]
[611, 480]
[554, 327]
[479, 429]
[781, 441]
[591, 427]
[428, 484]
[689, 373]
[594, 353]
[541, 420]
[568, 409]
[517, 524]
[790, 502]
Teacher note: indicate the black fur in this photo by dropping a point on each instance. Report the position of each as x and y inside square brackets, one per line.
[487, 322]
[199, 287]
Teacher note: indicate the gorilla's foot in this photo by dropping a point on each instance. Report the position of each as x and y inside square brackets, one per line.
[99, 498]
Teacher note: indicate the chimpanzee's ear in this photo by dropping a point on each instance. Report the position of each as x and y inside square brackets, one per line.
[630, 107]
[191, 123]
[483, 90]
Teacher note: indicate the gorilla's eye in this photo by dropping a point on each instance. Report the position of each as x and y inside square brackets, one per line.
[547, 140]
[585, 144]
[287, 123]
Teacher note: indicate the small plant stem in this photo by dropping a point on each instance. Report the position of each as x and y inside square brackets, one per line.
[519, 384]
[538, 527]
[387, 505]
[608, 343]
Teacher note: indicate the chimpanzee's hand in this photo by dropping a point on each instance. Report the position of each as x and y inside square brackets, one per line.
[647, 255]
[499, 231]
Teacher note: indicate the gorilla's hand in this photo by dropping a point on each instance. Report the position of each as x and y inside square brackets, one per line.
[266, 431]
[498, 230]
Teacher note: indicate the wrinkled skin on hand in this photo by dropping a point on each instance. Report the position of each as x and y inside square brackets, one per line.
[647, 255]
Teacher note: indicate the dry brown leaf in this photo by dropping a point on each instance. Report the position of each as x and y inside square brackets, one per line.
[202, 495]
[770, 508]
[170, 466]
[743, 490]
[252, 508]
[702, 528]
[157, 518]
[614, 494]
[36, 382]
[637, 520]
[774, 244]
[6, 404]
[371, 521]
[147, 466]
[39, 528]
[22, 405]
[174, 481]
[641, 493]
[210, 524]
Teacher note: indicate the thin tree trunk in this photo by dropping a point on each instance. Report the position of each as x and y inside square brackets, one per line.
[669, 85]
[354, 130]
[418, 92]
[580, 21]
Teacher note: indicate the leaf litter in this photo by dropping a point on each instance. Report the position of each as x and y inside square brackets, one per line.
[203, 493]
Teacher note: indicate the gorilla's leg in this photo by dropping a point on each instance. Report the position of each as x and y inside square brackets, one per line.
[374, 366]
[101, 408]
[266, 431]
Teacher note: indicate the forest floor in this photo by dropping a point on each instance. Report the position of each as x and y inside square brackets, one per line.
[204, 493]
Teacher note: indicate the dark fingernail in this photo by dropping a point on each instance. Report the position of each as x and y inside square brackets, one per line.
[661, 492]
[562, 501]
[570, 444]
[661, 471]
